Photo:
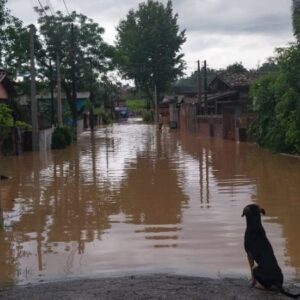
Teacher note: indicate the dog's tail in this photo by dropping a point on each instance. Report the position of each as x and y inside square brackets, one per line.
[284, 292]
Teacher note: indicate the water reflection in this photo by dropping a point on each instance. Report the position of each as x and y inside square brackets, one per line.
[130, 197]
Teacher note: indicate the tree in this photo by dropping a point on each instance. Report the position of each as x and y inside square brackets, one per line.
[277, 105]
[192, 80]
[14, 48]
[296, 18]
[277, 98]
[149, 43]
[237, 67]
[269, 66]
[13, 39]
[84, 56]
[3, 20]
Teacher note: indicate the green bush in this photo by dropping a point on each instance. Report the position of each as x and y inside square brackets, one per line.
[147, 116]
[23, 125]
[6, 118]
[136, 104]
[277, 105]
[61, 138]
[106, 117]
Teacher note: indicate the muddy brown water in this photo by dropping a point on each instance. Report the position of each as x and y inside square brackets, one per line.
[132, 199]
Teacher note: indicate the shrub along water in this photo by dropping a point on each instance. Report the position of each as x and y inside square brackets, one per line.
[61, 138]
[277, 105]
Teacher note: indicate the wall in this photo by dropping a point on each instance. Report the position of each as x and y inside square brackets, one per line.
[3, 93]
[80, 127]
[45, 138]
[211, 125]
[187, 117]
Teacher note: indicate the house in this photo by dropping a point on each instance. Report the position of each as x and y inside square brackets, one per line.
[7, 89]
[183, 97]
[227, 101]
[230, 90]
[186, 94]
[223, 110]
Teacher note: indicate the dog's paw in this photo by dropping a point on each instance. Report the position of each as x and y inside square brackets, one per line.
[252, 284]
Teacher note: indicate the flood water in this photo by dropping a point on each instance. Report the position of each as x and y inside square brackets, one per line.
[130, 199]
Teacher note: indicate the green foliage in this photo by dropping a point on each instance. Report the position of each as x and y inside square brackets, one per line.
[148, 116]
[269, 66]
[237, 67]
[192, 80]
[277, 104]
[136, 104]
[61, 138]
[296, 18]
[6, 118]
[106, 117]
[23, 125]
[148, 46]
[83, 54]
[14, 50]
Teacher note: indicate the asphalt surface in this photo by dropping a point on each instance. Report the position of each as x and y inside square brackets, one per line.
[143, 287]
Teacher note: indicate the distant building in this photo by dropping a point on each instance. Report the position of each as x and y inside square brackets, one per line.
[230, 90]
[228, 96]
[7, 87]
[223, 110]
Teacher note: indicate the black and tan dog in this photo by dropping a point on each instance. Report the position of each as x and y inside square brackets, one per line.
[259, 250]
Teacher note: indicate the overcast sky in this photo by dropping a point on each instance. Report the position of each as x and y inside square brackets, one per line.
[220, 31]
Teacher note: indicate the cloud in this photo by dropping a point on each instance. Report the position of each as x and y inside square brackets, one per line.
[221, 50]
[223, 31]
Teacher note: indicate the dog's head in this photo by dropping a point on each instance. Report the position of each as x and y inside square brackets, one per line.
[253, 210]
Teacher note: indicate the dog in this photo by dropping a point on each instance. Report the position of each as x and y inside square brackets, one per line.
[259, 250]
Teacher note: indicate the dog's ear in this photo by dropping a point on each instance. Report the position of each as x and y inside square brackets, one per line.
[262, 211]
[245, 211]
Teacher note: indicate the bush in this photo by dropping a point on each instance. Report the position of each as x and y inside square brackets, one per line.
[6, 118]
[61, 138]
[148, 116]
[277, 105]
[106, 117]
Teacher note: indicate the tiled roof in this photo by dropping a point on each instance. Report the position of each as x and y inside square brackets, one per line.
[238, 79]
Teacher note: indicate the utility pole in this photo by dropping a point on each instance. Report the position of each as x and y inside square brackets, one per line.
[52, 93]
[34, 118]
[205, 88]
[59, 108]
[74, 96]
[199, 87]
[155, 104]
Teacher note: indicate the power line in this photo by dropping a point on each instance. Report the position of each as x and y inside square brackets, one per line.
[66, 7]
[49, 4]
[42, 7]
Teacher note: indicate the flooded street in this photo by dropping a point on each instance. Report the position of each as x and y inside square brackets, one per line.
[132, 199]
